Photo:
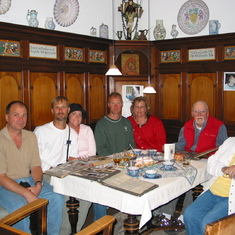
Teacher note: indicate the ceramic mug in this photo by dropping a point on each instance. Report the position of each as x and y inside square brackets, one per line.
[151, 174]
[133, 171]
[168, 165]
[214, 26]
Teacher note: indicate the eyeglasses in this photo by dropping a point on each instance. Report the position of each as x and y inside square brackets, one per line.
[199, 111]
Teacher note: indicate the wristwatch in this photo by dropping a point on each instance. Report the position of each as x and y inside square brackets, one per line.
[39, 182]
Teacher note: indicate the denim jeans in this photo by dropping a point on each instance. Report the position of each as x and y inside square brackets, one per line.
[12, 201]
[99, 211]
[205, 209]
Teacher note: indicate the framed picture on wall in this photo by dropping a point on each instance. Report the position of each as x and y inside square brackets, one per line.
[229, 81]
[129, 93]
[9, 48]
[76, 54]
[43, 51]
[130, 64]
[170, 56]
[97, 56]
[202, 54]
[229, 53]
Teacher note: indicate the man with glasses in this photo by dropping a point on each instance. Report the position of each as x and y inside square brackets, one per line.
[203, 132]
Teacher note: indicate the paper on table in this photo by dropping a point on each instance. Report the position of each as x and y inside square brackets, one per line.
[169, 151]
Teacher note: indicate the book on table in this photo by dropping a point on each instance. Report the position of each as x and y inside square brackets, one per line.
[198, 156]
[107, 175]
[67, 168]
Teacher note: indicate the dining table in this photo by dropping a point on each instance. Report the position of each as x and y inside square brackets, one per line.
[170, 185]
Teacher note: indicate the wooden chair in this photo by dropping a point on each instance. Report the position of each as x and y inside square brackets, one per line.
[223, 226]
[39, 206]
[104, 224]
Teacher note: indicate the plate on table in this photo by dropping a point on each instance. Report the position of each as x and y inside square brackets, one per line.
[156, 177]
[193, 16]
[163, 168]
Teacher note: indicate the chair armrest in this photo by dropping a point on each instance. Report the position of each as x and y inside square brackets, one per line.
[222, 226]
[103, 224]
[19, 214]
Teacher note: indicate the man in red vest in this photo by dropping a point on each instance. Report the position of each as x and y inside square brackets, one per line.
[203, 132]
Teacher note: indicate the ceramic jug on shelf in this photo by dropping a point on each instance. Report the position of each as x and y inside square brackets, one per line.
[32, 18]
[49, 24]
[174, 32]
[143, 34]
[214, 26]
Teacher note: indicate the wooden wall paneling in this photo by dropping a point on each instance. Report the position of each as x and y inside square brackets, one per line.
[44, 88]
[10, 89]
[75, 88]
[229, 107]
[170, 96]
[96, 97]
[202, 86]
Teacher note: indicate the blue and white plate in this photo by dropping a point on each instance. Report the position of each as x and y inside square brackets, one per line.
[163, 168]
[156, 177]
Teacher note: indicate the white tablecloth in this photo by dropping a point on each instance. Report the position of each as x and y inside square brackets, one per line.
[169, 188]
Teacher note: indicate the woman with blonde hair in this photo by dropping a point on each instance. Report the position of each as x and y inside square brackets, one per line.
[149, 132]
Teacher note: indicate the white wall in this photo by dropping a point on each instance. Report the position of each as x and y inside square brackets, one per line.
[95, 12]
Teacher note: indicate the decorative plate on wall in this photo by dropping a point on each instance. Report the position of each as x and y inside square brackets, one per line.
[193, 16]
[66, 12]
[4, 6]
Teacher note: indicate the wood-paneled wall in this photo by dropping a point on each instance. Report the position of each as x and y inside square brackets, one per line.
[36, 81]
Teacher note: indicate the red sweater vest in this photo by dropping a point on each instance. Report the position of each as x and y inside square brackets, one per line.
[207, 138]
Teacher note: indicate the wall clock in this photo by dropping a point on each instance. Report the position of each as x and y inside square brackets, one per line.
[193, 16]
[4, 6]
[66, 12]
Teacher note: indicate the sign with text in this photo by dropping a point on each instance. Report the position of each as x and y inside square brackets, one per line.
[201, 54]
[42, 51]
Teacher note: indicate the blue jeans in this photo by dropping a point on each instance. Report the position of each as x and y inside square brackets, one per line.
[205, 209]
[12, 201]
[99, 211]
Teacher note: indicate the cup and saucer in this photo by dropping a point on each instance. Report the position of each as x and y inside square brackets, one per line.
[151, 174]
[168, 166]
[133, 171]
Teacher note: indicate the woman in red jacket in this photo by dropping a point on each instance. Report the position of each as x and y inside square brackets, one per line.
[149, 132]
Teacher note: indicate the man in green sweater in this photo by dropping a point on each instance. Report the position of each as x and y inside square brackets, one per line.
[113, 133]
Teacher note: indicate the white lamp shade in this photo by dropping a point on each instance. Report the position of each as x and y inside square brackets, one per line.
[114, 71]
[149, 90]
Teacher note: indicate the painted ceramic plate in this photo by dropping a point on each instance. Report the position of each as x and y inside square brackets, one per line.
[66, 12]
[4, 6]
[193, 16]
